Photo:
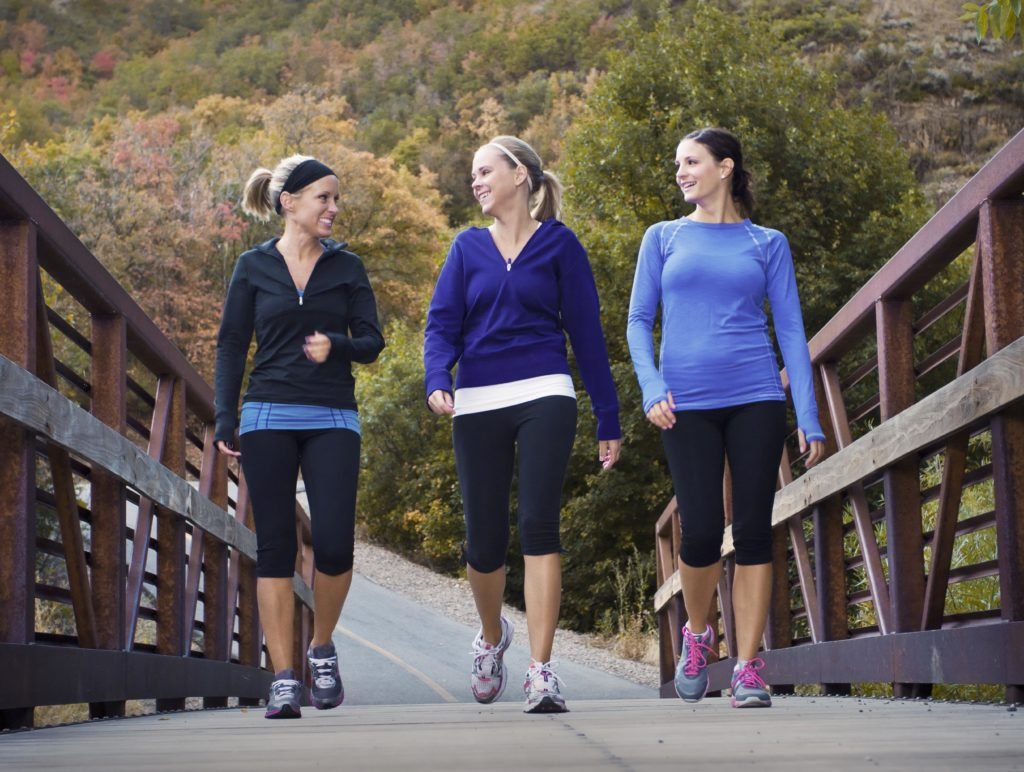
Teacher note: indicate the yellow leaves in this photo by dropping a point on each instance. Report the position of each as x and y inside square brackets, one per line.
[8, 128]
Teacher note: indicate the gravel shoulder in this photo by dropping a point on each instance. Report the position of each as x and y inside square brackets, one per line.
[451, 597]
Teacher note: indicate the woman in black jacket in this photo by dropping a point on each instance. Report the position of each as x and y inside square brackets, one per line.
[311, 307]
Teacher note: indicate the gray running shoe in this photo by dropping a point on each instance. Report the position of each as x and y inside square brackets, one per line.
[748, 688]
[542, 692]
[692, 669]
[489, 676]
[327, 691]
[284, 697]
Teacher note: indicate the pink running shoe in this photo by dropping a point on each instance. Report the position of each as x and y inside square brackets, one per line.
[692, 669]
[748, 688]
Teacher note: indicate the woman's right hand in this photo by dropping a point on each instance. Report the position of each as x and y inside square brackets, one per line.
[662, 414]
[440, 402]
[227, 449]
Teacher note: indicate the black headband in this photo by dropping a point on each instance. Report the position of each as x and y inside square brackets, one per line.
[307, 172]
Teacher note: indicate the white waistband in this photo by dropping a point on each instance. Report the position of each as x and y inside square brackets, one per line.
[477, 399]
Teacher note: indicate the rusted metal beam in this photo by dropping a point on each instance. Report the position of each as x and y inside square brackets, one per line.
[218, 607]
[170, 530]
[65, 497]
[160, 422]
[96, 675]
[984, 654]
[1001, 242]
[17, 451]
[107, 499]
[901, 481]
[107, 493]
[830, 573]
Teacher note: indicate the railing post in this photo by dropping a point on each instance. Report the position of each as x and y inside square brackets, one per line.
[108, 532]
[217, 607]
[829, 555]
[1001, 245]
[249, 644]
[778, 632]
[170, 535]
[901, 481]
[20, 272]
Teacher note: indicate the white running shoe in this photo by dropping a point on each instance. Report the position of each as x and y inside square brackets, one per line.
[489, 676]
[542, 692]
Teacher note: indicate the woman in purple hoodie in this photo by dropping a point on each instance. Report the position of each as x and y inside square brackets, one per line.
[504, 301]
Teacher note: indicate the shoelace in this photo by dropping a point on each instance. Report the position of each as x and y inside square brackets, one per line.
[324, 671]
[482, 651]
[545, 674]
[696, 653]
[747, 675]
[284, 689]
[481, 667]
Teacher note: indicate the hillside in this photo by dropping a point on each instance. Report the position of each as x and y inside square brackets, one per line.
[423, 79]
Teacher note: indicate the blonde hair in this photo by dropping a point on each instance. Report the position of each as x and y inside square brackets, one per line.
[259, 198]
[544, 186]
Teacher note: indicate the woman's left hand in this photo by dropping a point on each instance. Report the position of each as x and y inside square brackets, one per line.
[608, 453]
[817, 449]
[317, 347]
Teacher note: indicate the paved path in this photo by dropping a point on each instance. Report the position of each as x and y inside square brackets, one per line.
[393, 651]
[830, 734]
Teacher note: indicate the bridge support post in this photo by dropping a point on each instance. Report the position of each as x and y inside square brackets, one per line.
[217, 607]
[20, 272]
[1001, 245]
[901, 481]
[107, 499]
[170, 530]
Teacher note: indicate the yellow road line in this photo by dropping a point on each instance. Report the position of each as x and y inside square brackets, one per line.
[445, 695]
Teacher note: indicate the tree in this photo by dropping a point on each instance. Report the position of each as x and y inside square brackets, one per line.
[1000, 18]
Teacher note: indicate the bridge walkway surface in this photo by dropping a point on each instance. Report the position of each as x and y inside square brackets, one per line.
[797, 733]
[408, 707]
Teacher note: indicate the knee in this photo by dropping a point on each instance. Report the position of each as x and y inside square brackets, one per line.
[540, 540]
[335, 563]
[700, 549]
[753, 545]
[334, 558]
[274, 563]
[485, 556]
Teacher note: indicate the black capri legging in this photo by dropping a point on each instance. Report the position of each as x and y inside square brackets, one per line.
[329, 459]
[751, 436]
[543, 431]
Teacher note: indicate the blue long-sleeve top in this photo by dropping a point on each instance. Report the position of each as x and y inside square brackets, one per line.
[711, 281]
[505, 322]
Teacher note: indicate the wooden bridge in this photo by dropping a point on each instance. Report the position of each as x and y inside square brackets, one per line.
[129, 535]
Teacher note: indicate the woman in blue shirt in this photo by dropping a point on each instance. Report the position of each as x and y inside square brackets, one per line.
[716, 392]
[504, 301]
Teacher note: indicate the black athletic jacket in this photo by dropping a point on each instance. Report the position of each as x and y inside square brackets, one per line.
[338, 301]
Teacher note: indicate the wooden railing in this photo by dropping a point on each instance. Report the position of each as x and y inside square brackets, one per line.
[106, 429]
[919, 379]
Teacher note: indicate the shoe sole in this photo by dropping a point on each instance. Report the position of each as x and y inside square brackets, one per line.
[286, 712]
[685, 698]
[752, 702]
[547, 705]
[328, 704]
